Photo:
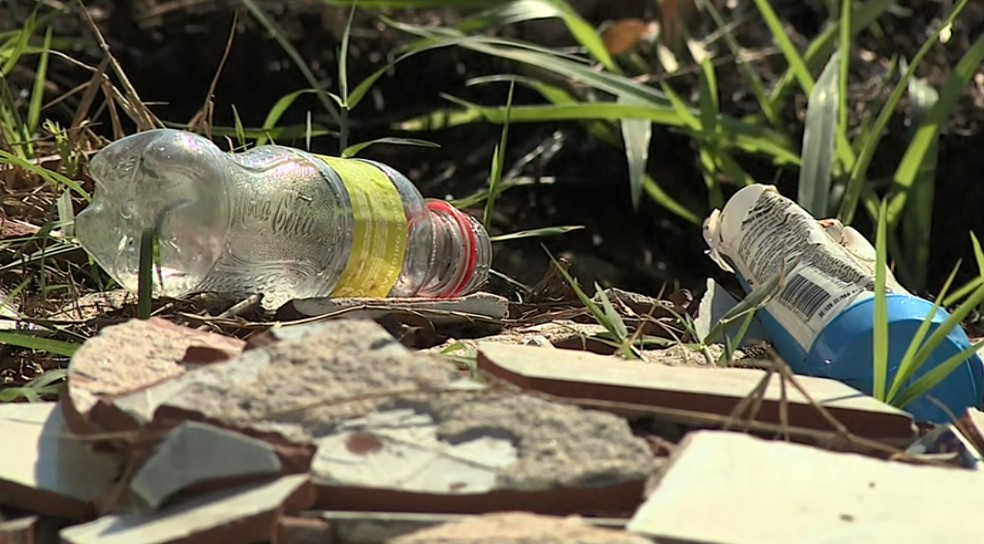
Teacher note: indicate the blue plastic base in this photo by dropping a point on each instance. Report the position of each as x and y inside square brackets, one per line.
[844, 350]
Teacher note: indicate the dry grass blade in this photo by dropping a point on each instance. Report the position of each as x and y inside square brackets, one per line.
[202, 121]
[136, 110]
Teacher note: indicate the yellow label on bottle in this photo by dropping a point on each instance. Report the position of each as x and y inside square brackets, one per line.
[379, 243]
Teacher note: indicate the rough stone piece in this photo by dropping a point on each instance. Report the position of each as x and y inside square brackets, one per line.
[138, 353]
[518, 528]
[195, 453]
[242, 515]
[478, 444]
[805, 495]
[46, 470]
[304, 379]
[578, 375]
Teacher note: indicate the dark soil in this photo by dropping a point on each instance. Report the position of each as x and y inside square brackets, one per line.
[170, 51]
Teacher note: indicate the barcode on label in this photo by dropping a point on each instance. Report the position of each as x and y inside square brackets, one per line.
[804, 296]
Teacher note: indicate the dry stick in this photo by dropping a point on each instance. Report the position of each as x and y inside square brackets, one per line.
[233, 311]
[751, 403]
[94, 85]
[113, 115]
[139, 112]
[783, 400]
[204, 116]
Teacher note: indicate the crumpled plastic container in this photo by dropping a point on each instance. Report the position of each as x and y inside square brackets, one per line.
[822, 320]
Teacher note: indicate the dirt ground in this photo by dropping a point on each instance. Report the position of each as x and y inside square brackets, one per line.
[170, 51]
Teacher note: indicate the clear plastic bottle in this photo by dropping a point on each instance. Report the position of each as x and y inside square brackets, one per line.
[274, 220]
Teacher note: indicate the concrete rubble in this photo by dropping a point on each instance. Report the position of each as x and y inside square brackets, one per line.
[804, 494]
[335, 432]
[518, 528]
[633, 384]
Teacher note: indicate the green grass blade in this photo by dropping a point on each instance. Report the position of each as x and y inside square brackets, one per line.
[529, 54]
[36, 343]
[662, 198]
[754, 81]
[498, 162]
[277, 111]
[823, 45]
[931, 379]
[239, 131]
[819, 137]
[585, 34]
[926, 134]
[145, 279]
[880, 347]
[844, 48]
[536, 233]
[963, 292]
[731, 133]
[944, 329]
[20, 45]
[753, 302]
[873, 137]
[918, 223]
[906, 367]
[343, 57]
[621, 331]
[296, 57]
[37, 93]
[354, 149]
[636, 135]
[978, 254]
[709, 106]
[54, 178]
[789, 51]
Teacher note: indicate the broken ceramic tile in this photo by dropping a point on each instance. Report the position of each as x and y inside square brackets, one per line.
[471, 451]
[518, 528]
[131, 356]
[815, 495]
[47, 470]
[244, 514]
[481, 305]
[578, 375]
[196, 454]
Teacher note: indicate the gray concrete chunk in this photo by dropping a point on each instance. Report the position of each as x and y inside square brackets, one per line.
[477, 444]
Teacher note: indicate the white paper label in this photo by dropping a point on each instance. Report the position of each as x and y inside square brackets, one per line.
[826, 280]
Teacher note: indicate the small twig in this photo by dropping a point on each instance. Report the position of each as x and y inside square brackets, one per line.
[234, 310]
[204, 116]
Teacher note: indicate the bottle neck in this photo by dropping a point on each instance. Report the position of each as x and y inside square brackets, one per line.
[461, 255]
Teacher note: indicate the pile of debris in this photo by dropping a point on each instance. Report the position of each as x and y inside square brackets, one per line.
[335, 432]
